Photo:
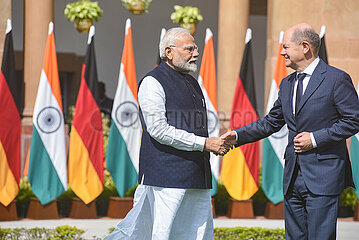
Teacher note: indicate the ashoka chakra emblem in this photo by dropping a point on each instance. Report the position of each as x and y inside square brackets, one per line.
[49, 120]
[126, 114]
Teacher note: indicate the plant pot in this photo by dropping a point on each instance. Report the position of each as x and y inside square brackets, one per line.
[213, 208]
[345, 211]
[83, 25]
[136, 7]
[259, 208]
[240, 209]
[356, 212]
[38, 211]
[80, 210]
[64, 207]
[119, 207]
[9, 212]
[191, 27]
[274, 211]
[21, 208]
[102, 207]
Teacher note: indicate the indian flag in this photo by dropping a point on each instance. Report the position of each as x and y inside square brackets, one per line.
[274, 146]
[354, 155]
[207, 81]
[47, 165]
[125, 133]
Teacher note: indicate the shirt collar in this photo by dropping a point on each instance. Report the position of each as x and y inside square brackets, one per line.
[310, 69]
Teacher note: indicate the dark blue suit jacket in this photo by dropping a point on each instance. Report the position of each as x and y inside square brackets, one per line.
[329, 109]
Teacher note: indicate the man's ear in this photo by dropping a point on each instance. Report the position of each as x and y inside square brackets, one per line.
[168, 52]
[306, 47]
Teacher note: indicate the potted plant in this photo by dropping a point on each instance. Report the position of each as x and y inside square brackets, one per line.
[187, 17]
[137, 6]
[83, 12]
[221, 200]
[109, 190]
[23, 197]
[120, 206]
[64, 202]
[347, 203]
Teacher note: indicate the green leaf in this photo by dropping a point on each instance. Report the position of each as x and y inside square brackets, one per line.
[187, 14]
[177, 7]
[83, 9]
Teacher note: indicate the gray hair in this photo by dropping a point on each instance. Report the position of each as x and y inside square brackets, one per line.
[307, 34]
[169, 39]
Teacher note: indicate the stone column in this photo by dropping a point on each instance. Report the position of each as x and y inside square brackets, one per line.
[342, 36]
[38, 14]
[233, 21]
[5, 13]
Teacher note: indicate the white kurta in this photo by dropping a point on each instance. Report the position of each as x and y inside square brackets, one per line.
[166, 213]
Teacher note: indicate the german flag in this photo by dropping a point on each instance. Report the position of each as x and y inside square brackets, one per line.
[323, 49]
[10, 123]
[86, 137]
[240, 166]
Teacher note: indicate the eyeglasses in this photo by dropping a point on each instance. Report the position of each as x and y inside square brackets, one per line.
[189, 49]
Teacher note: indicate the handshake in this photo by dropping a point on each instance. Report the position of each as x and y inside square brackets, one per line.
[221, 145]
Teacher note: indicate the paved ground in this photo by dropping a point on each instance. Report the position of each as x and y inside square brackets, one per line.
[98, 228]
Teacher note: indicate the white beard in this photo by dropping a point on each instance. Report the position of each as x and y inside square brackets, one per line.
[183, 66]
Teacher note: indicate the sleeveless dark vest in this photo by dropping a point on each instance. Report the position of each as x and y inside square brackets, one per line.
[163, 165]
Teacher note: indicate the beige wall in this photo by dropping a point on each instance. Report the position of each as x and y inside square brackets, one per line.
[5, 13]
[342, 33]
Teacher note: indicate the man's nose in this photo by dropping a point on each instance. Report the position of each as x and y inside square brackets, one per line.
[282, 52]
[195, 53]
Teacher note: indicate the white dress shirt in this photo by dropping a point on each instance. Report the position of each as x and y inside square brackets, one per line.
[308, 74]
[152, 100]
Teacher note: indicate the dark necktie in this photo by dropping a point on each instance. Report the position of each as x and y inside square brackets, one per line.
[299, 92]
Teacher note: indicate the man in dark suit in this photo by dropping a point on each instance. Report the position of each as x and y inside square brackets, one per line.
[320, 107]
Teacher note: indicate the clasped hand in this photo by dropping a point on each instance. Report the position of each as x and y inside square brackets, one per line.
[220, 145]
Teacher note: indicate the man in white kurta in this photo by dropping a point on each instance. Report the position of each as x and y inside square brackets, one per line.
[173, 198]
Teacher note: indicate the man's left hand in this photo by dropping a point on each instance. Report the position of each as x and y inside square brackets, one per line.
[303, 142]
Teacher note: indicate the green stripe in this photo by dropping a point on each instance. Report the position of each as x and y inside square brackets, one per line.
[214, 186]
[119, 162]
[272, 174]
[354, 156]
[44, 180]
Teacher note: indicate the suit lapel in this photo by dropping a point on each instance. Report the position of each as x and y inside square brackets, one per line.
[314, 82]
[291, 90]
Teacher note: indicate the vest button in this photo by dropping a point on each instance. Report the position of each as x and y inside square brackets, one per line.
[194, 96]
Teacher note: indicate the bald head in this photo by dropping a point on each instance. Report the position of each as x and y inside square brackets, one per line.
[305, 32]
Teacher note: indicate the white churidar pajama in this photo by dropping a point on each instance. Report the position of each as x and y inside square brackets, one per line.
[167, 214]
